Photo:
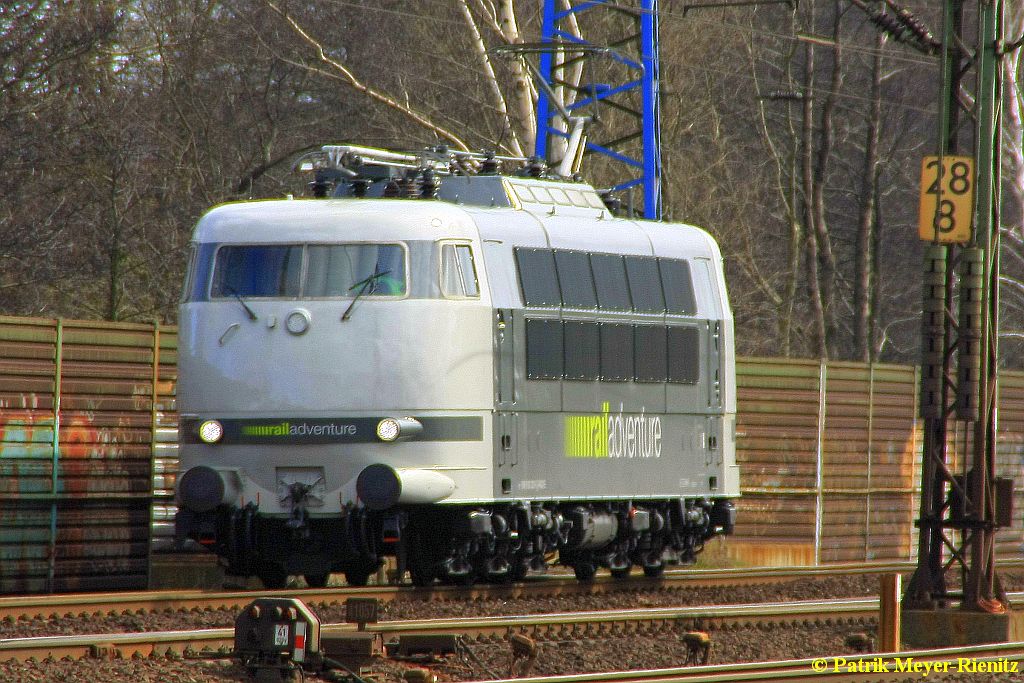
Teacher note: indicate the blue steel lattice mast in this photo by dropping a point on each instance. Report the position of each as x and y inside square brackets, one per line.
[631, 139]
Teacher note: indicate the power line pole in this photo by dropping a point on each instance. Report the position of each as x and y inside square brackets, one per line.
[962, 505]
[629, 92]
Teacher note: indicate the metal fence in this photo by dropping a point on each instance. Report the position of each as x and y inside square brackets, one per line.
[829, 452]
[830, 458]
[85, 412]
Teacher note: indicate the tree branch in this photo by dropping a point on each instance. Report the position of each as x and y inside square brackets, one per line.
[492, 79]
[358, 85]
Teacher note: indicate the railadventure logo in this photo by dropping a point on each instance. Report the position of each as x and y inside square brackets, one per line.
[609, 435]
[299, 429]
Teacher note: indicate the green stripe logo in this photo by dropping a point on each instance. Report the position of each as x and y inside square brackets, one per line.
[586, 436]
[281, 429]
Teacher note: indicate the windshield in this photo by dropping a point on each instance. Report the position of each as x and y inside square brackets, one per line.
[308, 271]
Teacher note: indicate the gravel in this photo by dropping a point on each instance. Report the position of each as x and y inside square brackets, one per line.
[484, 660]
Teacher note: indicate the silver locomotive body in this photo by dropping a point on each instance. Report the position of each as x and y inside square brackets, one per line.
[467, 388]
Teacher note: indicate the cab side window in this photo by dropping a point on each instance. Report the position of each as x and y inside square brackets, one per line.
[458, 272]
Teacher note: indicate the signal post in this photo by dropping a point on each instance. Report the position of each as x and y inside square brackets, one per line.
[962, 503]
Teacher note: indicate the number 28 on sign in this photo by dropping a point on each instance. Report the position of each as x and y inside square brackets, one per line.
[947, 199]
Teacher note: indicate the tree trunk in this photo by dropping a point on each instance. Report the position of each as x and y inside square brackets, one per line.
[864, 277]
[828, 270]
[818, 333]
[509, 130]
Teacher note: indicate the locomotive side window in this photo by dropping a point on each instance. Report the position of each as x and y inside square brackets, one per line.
[616, 352]
[458, 272]
[610, 279]
[190, 274]
[543, 349]
[649, 348]
[645, 284]
[678, 286]
[342, 269]
[199, 279]
[582, 350]
[576, 280]
[537, 277]
[683, 355]
[257, 271]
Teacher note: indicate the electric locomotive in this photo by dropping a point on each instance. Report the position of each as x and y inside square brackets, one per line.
[464, 370]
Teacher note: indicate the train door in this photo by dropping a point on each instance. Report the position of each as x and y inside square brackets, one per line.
[504, 334]
[714, 364]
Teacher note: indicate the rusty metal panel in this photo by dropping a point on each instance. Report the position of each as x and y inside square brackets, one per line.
[867, 526]
[829, 452]
[777, 429]
[78, 407]
[776, 423]
[1010, 458]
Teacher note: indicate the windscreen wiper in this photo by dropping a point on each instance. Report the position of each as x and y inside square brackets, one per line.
[238, 297]
[363, 286]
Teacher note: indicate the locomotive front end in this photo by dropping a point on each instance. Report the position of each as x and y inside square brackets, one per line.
[320, 341]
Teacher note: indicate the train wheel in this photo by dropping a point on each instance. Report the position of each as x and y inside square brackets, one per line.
[421, 578]
[357, 577]
[467, 579]
[654, 571]
[272, 575]
[316, 580]
[584, 570]
[622, 572]
[518, 569]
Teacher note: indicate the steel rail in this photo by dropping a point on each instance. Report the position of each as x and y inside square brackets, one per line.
[542, 625]
[835, 668]
[88, 604]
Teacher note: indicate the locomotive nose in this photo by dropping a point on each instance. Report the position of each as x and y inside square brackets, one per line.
[381, 486]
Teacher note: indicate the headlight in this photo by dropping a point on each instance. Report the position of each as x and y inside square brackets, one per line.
[211, 431]
[388, 429]
[394, 428]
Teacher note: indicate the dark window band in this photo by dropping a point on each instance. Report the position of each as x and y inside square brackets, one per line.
[612, 352]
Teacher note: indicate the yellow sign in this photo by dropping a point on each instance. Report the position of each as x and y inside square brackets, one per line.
[947, 199]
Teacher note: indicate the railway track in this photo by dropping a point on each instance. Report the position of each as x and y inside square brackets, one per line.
[543, 627]
[988, 662]
[217, 642]
[883, 666]
[98, 604]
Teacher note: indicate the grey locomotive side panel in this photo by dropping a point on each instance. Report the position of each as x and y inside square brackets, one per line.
[563, 439]
[609, 454]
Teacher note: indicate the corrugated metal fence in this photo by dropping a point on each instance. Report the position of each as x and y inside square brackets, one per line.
[83, 409]
[830, 456]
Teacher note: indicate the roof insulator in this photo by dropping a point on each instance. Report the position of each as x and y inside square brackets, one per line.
[536, 167]
[359, 187]
[411, 183]
[489, 166]
[612, 201]
[431, 183]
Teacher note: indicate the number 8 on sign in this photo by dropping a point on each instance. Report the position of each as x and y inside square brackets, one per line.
[947, 199]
